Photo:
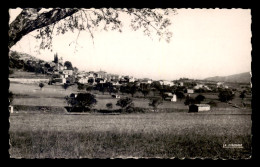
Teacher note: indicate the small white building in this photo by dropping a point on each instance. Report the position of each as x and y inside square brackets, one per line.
[190, 91]
[169, 83]
[68, 72]
[83, 80]
[168, 93]
[131, 80]
[199, 107]
[172, 98]
[116, 96]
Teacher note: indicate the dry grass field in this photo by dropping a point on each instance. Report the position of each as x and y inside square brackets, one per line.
[163, 135]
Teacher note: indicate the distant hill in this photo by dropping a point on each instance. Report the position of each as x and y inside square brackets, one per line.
[237, 78]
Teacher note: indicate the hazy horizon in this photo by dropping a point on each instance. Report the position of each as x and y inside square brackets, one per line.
[205, 43]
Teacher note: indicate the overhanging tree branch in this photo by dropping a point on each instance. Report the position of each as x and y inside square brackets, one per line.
[28, 21]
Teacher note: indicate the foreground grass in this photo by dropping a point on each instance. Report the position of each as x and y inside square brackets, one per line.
[111, 144]
[164, 135]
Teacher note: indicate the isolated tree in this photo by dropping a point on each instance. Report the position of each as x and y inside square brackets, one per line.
[225, 95]
[65, 86]
[155, 102]
[41, 85]
[85, 101]
[199, 98]
[125, 103]
[62, 20]
[56, 59]
[68, 64]
[242, 95]
[109, 106]
[71, 100]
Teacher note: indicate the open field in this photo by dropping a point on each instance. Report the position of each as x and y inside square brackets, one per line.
[139, 135]
[30, 75]
[43, 129]
[53, 95]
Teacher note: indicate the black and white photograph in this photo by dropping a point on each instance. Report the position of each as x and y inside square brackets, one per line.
[130, 83]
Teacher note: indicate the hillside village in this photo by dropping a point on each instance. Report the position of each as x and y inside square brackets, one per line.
[60, 73]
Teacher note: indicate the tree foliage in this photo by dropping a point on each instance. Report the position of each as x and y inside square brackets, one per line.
[199, 98]
[125, 103]
[155, 102]
[242, 95]
[109, 105]
[62, 20]
[41, 85]
[81, 86]
[225, 95]
[189, 100]
[85, 101]
[180, 95]
[68, 64]
[65, 86]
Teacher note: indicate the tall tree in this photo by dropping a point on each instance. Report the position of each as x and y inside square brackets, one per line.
[62, 20]
[68, 64]
[56, 59]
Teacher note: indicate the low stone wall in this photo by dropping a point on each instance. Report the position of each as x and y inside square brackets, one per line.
[26, 80]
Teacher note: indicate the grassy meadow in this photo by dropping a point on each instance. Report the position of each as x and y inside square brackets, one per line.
[164, 135]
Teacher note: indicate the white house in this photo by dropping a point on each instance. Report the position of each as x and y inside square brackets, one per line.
[168, 93]
[219, 84]
[83, 80]
[199, 107]
[131, 79]
[198, 86]
[68, 72]
[190, 91]
[172, 98]
[164, 82]
[146, 81]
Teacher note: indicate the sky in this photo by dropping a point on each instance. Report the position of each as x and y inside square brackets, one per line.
[205, 43]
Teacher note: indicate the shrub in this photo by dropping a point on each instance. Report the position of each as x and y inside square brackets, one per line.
[83, 101]
[180, 95]
[109, 105]
[199, 98]
[65, 86]
[225, 95]
[155, 103]
[126, 104]
[212, 103]
[81, 86]
[41, 85]
[189, 101]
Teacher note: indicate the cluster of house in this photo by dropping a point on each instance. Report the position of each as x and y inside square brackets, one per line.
[60, 72]
[117, 80]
